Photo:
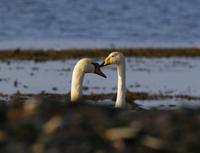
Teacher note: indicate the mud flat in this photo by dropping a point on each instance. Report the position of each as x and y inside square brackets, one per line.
[135, 100]
[58, 54]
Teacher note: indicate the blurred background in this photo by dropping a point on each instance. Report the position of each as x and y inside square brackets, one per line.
[96, 24]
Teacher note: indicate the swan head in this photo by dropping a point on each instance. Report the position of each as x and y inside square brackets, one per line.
[87, 65]
[113, 58]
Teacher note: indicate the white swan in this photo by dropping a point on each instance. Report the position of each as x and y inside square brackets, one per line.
[118, 59]
[85, 65]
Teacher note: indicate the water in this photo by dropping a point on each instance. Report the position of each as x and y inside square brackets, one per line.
[95, 23]
[168, 103]
[167, 76]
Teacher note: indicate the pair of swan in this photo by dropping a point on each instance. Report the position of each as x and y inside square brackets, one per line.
[86, 65]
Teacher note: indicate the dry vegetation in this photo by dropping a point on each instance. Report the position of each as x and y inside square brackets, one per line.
[53, 54]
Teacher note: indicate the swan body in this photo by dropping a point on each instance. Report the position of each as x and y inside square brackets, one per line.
[83, 66]
[118, 59]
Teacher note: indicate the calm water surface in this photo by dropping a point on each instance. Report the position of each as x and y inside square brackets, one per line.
[174, 76]
[95, 23]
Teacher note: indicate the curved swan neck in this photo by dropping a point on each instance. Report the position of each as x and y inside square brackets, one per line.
[76, 84]
[121, 89]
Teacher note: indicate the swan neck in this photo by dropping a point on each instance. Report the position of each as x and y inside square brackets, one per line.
[121, 89]
[76, 84]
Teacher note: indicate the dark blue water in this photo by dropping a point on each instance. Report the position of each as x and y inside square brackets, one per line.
[99, 23]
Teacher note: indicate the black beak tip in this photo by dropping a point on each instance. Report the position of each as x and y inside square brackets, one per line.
[102, 74]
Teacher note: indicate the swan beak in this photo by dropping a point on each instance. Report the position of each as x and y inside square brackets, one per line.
[107, 61]
[99, 72]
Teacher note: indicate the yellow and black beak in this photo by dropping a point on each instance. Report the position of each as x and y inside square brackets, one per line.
[98, 70]
[107, 61]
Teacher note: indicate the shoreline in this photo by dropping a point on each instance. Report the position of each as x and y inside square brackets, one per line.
[130, 96]
[61, 54]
